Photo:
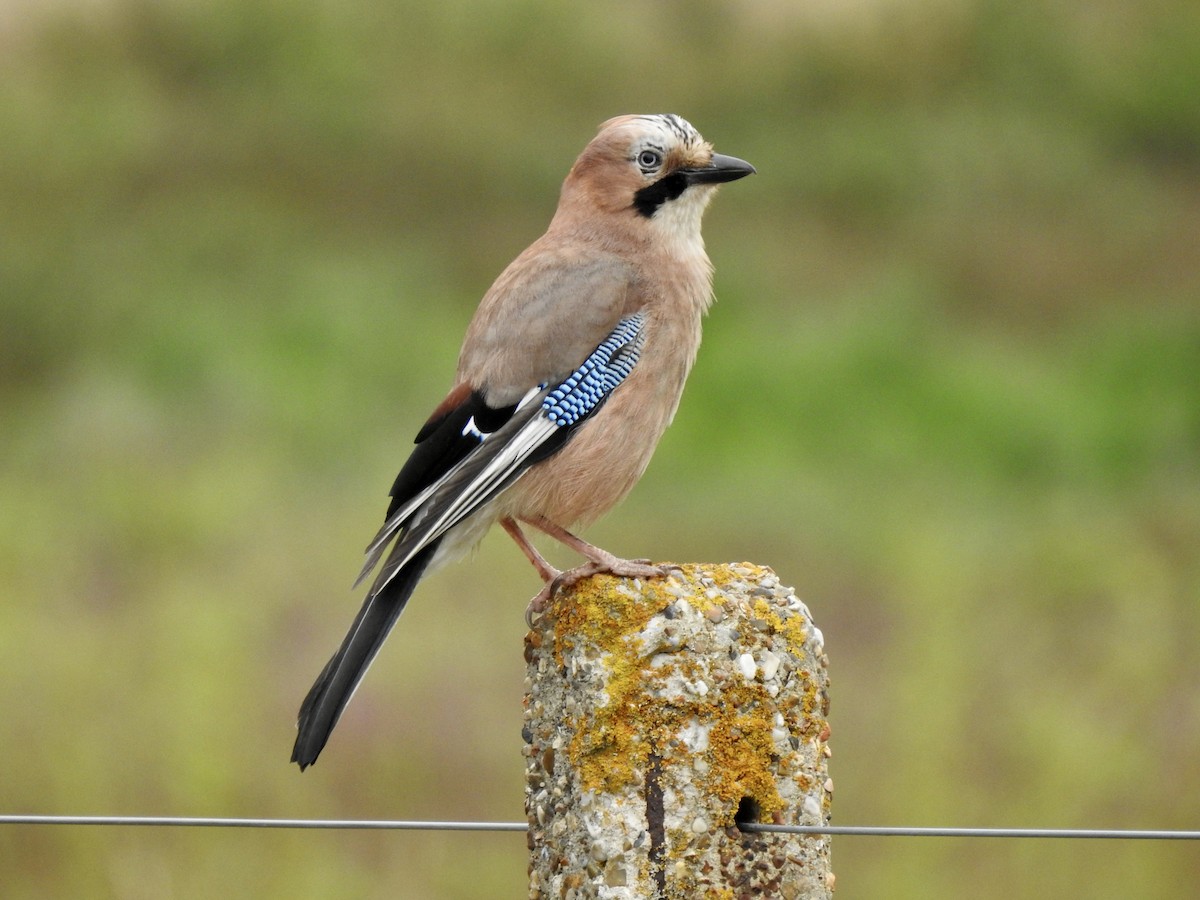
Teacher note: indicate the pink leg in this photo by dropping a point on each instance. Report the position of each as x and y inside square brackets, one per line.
[550, 575]
[599, 562]
[547, 571]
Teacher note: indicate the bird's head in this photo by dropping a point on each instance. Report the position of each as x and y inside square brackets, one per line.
[656, 169]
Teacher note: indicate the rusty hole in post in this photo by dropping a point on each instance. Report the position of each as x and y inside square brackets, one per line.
[747, 811]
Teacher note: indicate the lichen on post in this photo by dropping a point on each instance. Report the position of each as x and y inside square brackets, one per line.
[658, 715]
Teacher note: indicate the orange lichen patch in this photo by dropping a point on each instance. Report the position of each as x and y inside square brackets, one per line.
[791, 629]
[741, 752]
[601, 610]
[611, 748]
[606, 615]
[614, 746]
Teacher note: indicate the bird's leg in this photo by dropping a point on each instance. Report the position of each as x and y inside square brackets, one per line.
[600, 561]
[550, 575]
[547, 571]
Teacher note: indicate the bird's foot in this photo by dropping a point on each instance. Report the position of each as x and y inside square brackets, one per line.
[605, 563]
[540, 601]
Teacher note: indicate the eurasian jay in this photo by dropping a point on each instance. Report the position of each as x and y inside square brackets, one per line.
[570, 371]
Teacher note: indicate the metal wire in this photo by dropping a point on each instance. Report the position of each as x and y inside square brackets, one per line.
[750, 827]
[198, 822]
[891, 831]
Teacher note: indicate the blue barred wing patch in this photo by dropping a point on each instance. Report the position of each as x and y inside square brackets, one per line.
[601, 373]
[536, 427]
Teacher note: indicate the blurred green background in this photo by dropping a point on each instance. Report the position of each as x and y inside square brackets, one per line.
[950, 392]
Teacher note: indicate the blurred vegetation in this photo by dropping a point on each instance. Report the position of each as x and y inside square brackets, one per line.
[951, 392]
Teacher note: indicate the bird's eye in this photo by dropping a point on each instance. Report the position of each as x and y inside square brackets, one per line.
[649, 160]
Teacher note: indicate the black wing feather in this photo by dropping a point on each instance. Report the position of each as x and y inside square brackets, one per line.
[334, 687]
[442, 443]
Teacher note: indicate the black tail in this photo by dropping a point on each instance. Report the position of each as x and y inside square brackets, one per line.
[335, 685]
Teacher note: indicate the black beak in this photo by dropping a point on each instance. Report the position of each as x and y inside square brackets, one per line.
[720, 169]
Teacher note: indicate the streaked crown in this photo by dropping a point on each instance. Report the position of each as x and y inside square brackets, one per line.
[644, 163]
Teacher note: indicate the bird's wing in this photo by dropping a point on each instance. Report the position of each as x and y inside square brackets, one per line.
[546, 312]
[475, 451]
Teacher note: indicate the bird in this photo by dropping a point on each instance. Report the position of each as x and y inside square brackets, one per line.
[570, 371]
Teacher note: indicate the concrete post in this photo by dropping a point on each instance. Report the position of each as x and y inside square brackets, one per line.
[658, 714]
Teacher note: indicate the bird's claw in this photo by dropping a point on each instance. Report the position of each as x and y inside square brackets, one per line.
[622, 568]
[540, 601]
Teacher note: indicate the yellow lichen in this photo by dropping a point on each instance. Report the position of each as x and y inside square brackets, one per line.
[603, 613]
[610, 749]
[741, 750]
[791, 629]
